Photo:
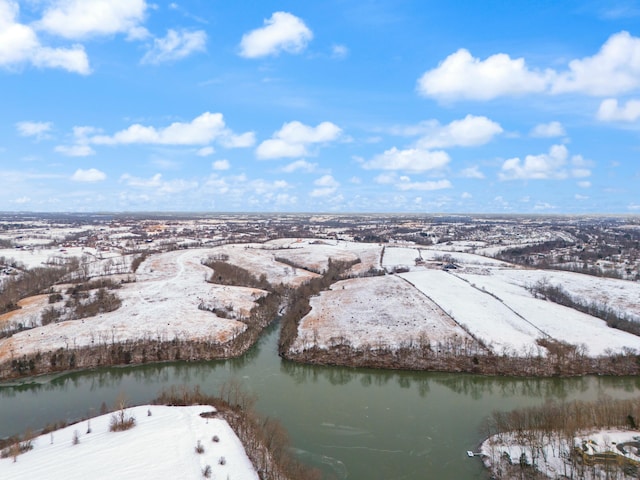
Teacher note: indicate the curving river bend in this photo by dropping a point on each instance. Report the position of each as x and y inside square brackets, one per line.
[355, 423]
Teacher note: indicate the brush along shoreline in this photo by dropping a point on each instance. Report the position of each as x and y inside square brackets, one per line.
[342, 303]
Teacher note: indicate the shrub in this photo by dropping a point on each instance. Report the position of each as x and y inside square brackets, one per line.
[55, 297]
[215, 439]
[206, 471]
[76, 437]
[121, 420]
[199, 447]
[222, 461]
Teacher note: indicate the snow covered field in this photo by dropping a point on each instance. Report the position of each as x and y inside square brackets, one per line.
[162, 304]
[162, 445]
[314, 254]
[376, 311]
[622, 295]
[558, 322]
[487, 297]
[488, 319]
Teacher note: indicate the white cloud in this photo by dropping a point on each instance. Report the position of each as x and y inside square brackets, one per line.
[404, 182]
[462, 76]
[411, 160]
[221, 165]
[544, 206]
[548, 130]
[277, 148]
[470, 131]
[79, 19]
[90, 175]
[156, 182]
[283, 32]
[34, 129]
[20, 45]
[553, 165]
[175, 46]
[294, 138]
[202, 130]
[424, 186]
[339, 51]
[472, 172]
[466, 195]
[610, 111]
[579, 197]
[613, 70]
[543, 166]
[75, 150]
[327, 185]
[205, 151]
[300, 165]
[584, 184]
[244, 140]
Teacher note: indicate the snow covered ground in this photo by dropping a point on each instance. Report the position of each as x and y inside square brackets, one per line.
[487, 297]
[552, 452]
[162, 304]
[487, 318]
[622, 295]
[558, 322]
[162, 445]
[375, 311]
[314, 254]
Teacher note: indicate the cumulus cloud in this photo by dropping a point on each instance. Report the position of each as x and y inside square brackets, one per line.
[404, 182]
[339, 51]
[202, 130]
[470, 131]
[221, 165]
[176, 45]
[75, 150]
[300, 166]
[548, 130]
[423, 186]
[610, 111]
[553, 165]
[613, 70]
[20, 45]
[39, 130]
[326, 185]
[462, 76]
[90, 175]
[157, 183]
[472, 172]
[244, 140]
[294, 139]
[79, 19]
[283, 32]
[410, 160]
[205, 151]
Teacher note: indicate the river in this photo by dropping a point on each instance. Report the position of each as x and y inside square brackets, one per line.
[356, 423]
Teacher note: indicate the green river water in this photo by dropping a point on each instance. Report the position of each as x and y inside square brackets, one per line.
[354, 423]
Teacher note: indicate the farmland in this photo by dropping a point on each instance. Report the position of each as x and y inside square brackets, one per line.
[426, 295]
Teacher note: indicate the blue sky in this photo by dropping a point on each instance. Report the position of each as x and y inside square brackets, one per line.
[340, 105]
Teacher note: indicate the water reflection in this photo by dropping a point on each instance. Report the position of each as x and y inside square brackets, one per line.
[370, 423]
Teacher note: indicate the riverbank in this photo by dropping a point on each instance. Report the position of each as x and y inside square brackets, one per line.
[566, 364]
[189, 442]
[587, 440]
